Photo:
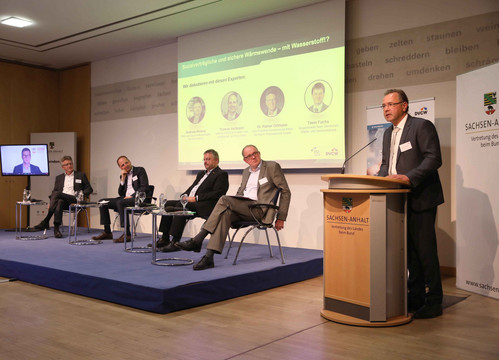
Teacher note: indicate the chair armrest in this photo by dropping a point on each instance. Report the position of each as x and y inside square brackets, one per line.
[265, 208]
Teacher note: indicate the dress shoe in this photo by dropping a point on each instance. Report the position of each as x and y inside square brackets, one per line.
[189, 245]
[121, 239]
[170, 247]
[57, 232]
[164, 241]
[206, 262]
[42, 226]
[414, 305]
[103, 236]
[428, 311]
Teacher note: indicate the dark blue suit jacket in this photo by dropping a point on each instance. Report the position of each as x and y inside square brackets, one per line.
[18, 169]
[420, 163]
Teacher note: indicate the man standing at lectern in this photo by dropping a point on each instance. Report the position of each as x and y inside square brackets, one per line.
[411, 152]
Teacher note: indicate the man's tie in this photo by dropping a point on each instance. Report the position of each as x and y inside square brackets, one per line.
[393, 150]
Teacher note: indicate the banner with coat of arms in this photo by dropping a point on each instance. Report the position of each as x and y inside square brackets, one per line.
[477, 192]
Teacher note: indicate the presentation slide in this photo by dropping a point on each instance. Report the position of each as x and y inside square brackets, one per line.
[285, 97]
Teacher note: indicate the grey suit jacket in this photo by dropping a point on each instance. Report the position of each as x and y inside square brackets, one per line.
[272, 172]
[419, 163]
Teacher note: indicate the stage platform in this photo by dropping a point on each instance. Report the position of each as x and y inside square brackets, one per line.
[109, 273]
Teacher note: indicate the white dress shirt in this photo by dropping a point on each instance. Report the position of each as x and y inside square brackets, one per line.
[396, 135]
[251, 190]
[69, 184]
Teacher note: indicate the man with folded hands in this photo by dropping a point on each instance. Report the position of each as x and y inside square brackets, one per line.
[202, 196]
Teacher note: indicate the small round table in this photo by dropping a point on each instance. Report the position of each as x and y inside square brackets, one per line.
[136, 210]
[19, 232]
[73, 224]
[170, 261]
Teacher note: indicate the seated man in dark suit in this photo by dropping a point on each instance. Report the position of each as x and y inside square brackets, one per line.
[26, 167]
[259, 184]
[133, 179]
[63, 195]
[202, 196]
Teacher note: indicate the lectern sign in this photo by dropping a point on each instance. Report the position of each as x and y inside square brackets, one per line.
[347, 222]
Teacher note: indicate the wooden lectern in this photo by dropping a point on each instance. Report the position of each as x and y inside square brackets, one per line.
[365, 261]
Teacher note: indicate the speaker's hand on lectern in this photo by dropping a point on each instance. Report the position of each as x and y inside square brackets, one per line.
[399, 177]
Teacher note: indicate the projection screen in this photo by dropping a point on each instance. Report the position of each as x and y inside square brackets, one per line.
[276, 82]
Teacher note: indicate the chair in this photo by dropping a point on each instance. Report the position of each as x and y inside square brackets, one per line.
[75, 218]
[74, 222]
[257, 224]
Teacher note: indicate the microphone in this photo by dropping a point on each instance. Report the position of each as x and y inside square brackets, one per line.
[343, 167]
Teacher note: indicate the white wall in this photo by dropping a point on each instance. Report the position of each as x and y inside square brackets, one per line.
[152, 141]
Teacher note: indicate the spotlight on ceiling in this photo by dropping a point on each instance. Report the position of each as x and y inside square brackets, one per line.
[17, 22]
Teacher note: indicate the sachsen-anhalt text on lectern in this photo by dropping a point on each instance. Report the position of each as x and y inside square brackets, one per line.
[365, 262]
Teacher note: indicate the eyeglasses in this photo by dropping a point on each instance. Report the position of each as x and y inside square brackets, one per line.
[67, 164]
[253, 154]
[389, 105]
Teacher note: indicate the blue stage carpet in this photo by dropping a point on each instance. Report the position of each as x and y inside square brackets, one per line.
[109, 273]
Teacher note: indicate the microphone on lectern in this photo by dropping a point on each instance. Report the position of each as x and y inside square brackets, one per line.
[343, 167]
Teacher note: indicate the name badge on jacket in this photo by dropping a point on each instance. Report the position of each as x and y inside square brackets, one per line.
[405, 146]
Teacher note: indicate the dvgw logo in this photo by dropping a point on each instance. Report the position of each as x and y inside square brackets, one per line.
[333, 152]
[422, 111]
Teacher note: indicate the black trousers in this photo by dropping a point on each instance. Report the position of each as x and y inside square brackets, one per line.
[422, 258]
[59, 202]
[119, 204]
[174, 225]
